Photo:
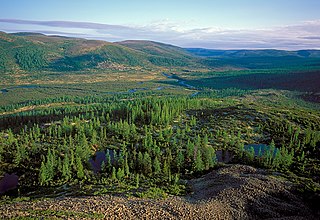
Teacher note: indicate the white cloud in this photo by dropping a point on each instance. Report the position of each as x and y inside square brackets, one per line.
[304, 35]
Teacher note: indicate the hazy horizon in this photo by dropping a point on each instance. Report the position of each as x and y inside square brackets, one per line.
[231, 24]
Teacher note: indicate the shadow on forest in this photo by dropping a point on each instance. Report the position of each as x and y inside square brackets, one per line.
[298, 81]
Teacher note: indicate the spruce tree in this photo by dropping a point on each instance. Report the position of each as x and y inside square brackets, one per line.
[137, 180]
[147, 164]
[50, 165]
[250, 156]
[120, 173]
[20, 154]
[43, 175]
[179, 159]
[156, 166]
[126, 166]
[108, 161]
[66, 169]
[140, 162]
[277, 160]
[79, 168]
[198, 163]
[166, 169]
[190, 150]
[113, 174]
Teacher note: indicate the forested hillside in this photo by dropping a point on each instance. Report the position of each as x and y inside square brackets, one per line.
[31, 51]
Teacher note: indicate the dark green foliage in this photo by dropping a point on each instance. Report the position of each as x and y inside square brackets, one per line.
[113, 174]
[198, 163]
[146, 138]
[44, 175]
[47, 169]
[120, 174]
[156, 166]
[76, 63]
[21, 154]
[163, 61]
[108, 54]
[126, 167]
[137, 180]
[209, 157]
[146, 164]
[5, 64]
[31, 58]
[121, 55]
[66, 168]
[179, 159]
[79, 168]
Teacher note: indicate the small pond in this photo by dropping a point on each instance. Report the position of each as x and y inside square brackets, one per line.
[98, 158]
[8, 182]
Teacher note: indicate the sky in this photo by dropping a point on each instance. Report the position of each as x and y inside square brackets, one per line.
[215, 24]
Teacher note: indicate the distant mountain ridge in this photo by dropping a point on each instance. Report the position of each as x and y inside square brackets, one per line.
[202, 52]
[34, 51]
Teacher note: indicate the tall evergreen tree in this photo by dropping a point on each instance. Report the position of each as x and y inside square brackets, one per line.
[43, 175]
[126, 166]
[147, 164]
[140, 162]
[79, 168]
[108, 162]
[113, 174]
[179, 161]
[66, 169]
[156, 166]
[198, 163]
[120, 173]
[166, 169]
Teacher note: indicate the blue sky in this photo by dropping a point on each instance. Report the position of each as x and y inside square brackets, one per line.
[221, 24]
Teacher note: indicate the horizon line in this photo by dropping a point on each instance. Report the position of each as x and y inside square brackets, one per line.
[146, 40]
[300, 36]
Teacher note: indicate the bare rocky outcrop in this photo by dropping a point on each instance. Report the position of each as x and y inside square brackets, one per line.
[249, 193]
[231, 192]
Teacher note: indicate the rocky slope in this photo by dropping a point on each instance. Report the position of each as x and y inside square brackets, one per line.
[231, 192]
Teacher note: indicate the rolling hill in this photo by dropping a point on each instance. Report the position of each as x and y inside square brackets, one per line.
[33, 51]
[161, 54]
